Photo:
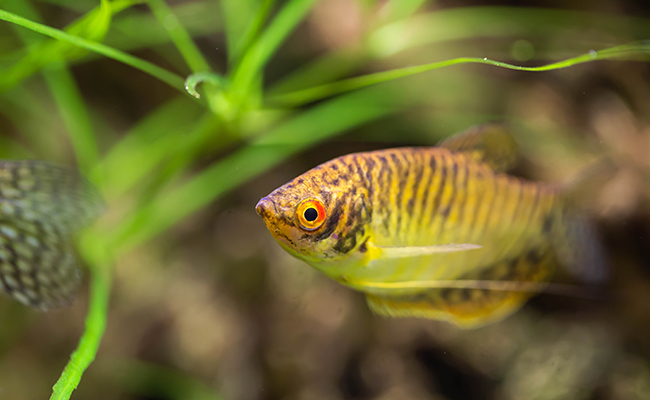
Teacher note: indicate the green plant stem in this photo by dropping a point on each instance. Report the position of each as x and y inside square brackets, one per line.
[93, 332]
[162, 74]
[301, 97]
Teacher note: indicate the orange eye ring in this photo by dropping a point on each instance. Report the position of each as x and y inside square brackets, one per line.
[310, 214]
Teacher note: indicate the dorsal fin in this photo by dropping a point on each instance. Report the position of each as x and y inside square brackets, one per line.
[489, 143]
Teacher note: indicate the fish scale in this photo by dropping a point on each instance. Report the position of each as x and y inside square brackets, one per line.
[448, 208]
[41, 206]
[398, 223]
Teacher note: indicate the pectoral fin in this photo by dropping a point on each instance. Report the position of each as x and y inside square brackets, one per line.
[418, 251]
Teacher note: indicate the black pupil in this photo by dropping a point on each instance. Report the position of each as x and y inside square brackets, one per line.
[311, 214]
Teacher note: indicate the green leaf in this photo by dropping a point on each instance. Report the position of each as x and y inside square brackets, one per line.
[73, 111]
[179, 35]
[138, 30]
[237, 16]
[249, 70]
[301, 97]
[93, 25]
[65, 91]
[145, 146]
[243, 34]
[395, 10]
[170, 78]
[456, 24]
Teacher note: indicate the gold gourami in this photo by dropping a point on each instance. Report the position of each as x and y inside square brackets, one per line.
[41, 207]
[438, 232]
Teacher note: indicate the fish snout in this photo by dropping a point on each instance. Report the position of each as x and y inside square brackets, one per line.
[264, 207]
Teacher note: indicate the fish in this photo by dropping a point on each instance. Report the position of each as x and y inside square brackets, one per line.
[442, 233]
[42, 207]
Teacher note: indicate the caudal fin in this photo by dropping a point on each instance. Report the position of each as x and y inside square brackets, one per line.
[579, 248]
[575, 237]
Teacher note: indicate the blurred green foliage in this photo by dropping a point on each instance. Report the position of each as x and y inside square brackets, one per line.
[184, 153]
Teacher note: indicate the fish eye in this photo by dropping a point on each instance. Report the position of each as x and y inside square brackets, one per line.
[310, 214]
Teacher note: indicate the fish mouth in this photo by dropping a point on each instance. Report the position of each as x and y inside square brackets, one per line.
[264, 207]
[268, 210]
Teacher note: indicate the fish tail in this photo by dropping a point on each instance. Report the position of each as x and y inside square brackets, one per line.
[574, 236]
[579, 248]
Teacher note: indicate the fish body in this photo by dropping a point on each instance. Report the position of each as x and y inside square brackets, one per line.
[41, 207]
[408, 226]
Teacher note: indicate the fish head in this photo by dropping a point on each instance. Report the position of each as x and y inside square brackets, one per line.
[319, 218]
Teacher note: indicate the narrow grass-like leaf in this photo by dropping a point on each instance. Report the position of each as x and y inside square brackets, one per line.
[501, 22]
[145, 146]
[64, 89]
[251, 31]
[80, 6]
[198, 141]
[91, 26]
[395, 10]
[83, 5]
[138, 30]
[248, 71]
[185, 46]
[73, 111]
[330, 67]
[29, 114]
[319, 92]
[237, 16]
[179, 36]
[162, 74]
[55, 47]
